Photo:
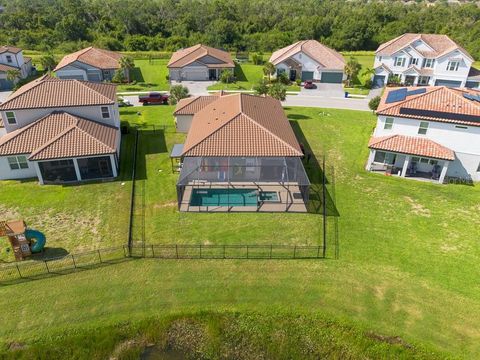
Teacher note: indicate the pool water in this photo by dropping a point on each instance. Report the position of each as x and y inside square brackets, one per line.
[224, 197]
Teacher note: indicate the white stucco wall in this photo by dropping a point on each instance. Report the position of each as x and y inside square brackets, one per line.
[183, 123]
[464, 142]
[8, 174]
[25, 117]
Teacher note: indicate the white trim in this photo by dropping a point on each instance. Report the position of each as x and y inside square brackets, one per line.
[77, 169]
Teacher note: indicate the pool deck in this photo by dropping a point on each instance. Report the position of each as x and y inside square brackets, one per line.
[287, 202]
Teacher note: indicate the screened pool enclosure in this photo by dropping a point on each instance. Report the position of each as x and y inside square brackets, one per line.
[271, 184]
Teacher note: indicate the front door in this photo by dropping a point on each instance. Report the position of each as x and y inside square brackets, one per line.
[409, 80]
[212, 74]
[293, 74]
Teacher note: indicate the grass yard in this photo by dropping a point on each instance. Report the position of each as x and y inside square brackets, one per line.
[148, 76]
[366, 60]
[406, 280]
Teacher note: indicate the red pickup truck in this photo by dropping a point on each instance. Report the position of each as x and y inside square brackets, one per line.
[153, 98]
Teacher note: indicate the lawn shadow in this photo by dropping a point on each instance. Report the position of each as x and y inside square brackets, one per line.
[149, 142]
[298, 117]
[239, 74]
[315, 174]
[49, 253]
[136, 74]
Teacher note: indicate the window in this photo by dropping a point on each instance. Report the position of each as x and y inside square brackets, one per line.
[379, 58]
[105, 112]
[414, 61]
[388, 124]
[415, 159]
[422, 130]
[400, 61]
[423, 80]
[9, 59]
[384, 158]
[17, 162]
[453, 65]
[429, 63]
[11, 117]
[424, 161]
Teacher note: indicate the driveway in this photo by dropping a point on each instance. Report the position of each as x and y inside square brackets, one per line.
[196, 87]
[318, 100]
[324, 90]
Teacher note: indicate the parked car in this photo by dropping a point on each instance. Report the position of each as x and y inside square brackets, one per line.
[153, 98]
[124, 103]
[308, 84]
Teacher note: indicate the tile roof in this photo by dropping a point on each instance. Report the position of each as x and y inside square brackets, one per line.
[99, 58]
[47, 91]
[11, 49]
[438, 103]
[5, 67]
[60, 135]
[191, 105]
[411, 145]
[440, 45]
[328, 58]
[241, 125]
[184, 57]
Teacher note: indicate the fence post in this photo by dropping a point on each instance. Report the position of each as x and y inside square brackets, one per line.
[200, 251]
[224, 251]
[124, 251]
[318, 251]
[46, 266]
[271, 250]
[153, 252]
[74, 263]
[247, 251]
[99, 256]
[19, 273]
[295, 252]
[176, 250]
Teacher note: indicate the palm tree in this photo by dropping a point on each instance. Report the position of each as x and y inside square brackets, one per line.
[127, 63]
[352, 68]
[269, 70]
[13, 75]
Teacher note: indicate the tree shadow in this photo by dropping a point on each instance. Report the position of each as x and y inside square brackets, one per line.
[239, 74]
[299, 117]
[48, 253]
[136, 74]
[315, 174]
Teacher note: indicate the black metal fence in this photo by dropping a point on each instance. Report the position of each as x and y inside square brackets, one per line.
[29, 270]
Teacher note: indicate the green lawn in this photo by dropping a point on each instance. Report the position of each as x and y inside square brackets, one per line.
[407, 267]
[366, 60]
[148, 76]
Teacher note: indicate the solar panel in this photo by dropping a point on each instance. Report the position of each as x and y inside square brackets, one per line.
[416, 91]
[396, 95]
[472, 97]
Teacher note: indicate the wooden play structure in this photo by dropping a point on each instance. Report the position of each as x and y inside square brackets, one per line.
[24, 241]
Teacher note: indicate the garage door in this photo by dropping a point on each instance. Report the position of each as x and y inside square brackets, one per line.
[74, 77]
[6, 84]
[194, 75]
[307, 75]
[472, 84]
[449, 83]
[332, 77]
[378, 81]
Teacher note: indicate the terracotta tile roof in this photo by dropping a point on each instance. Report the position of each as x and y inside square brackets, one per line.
[11, 49]
[5, 68]
[60, 135]
[439, 44]
[184, 57]
[192, 105]
[48, 92]
[328, 58]
[411, 145]
[241, 125]
[99, 58]
[438, 103]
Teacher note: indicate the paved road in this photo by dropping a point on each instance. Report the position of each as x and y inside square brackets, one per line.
[326, 102]
[196, 87]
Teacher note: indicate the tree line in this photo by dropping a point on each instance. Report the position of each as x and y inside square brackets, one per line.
[242, 25]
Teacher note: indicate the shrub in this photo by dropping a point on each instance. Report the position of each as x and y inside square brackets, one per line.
[118, 76]
[261, 88]
[373, 103]
[177, 93]
[298, 82]
[368, 84]
[257, 59]
[226, 77]
[282, 78]
[278, 91]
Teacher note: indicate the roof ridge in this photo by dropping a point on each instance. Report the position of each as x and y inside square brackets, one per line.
[432, 90]
[83, 83]
[52, 140]
[198, 46]
[77, 126]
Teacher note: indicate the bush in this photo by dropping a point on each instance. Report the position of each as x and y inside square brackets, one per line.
[261, 88]
[373, 103]
[119, 76]
[177, 93]
[278, 91]
[282, 78]
[368, 84]
[257, 59]
[298, 82]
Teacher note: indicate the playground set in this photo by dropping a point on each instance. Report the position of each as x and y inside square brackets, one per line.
[24, 241]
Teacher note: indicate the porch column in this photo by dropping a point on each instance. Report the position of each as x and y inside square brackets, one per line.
[405, 165]
[77, 170]
[441, 179]
[370, 159]
[114, 166]
[39, 173]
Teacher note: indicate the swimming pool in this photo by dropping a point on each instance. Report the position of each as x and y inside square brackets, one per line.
[224, 197]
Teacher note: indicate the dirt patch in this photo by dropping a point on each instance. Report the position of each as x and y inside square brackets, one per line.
[9, 213]
[393, 340]
[188, 337]
[16, 346]
[165, 205]
[417, 209]
[124, 347]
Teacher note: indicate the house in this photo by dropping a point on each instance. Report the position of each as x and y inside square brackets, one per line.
[60, 131]
[428, 133]
[199, 62]
[310, 60]
[89, 64]
[424, 59]
[241, 154]
[11, 58]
